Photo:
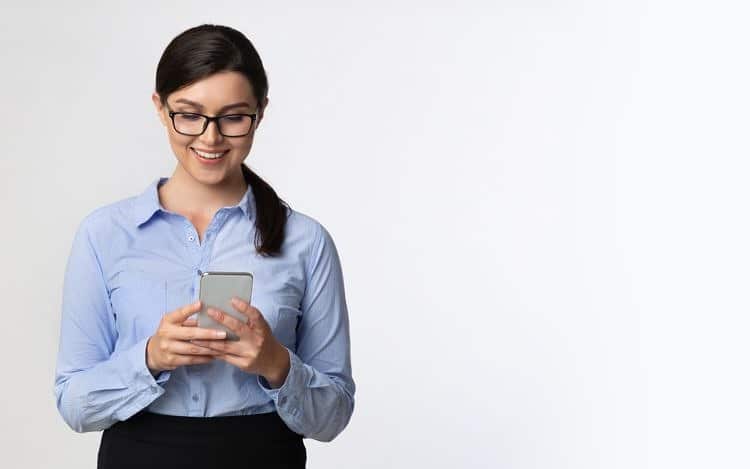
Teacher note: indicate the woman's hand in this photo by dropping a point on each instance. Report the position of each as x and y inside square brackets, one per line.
[257, 351]
[170, 346]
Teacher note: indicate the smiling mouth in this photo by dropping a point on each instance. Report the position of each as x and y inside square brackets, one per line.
[209, 155]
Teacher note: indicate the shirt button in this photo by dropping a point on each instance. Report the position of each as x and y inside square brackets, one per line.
[191, 238]
[195, 398]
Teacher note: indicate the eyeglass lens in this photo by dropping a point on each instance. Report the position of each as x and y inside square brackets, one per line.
[231, 125]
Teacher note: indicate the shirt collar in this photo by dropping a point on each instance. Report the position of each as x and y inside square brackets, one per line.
[147, 203]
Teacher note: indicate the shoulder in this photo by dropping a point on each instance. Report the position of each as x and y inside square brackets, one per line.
[105, 221]
[316, 245]
[306, 229]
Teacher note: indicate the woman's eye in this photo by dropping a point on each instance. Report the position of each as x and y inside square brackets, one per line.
[190, 117]
[234, 118]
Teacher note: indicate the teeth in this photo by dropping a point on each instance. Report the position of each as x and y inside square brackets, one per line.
[210, 156]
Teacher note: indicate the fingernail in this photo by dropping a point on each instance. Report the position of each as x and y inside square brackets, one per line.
[221, 334]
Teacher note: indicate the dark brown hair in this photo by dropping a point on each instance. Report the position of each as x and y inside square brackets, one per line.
[200, 52]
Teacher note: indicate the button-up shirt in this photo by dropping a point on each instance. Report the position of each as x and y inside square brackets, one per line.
[133, 261]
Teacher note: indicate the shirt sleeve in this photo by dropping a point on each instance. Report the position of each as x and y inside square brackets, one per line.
[317, 398]
[96, 386]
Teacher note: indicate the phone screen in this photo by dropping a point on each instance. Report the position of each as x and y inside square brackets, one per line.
[217, 290]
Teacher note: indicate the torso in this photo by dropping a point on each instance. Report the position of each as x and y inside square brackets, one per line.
[200, 224]
[199, 221]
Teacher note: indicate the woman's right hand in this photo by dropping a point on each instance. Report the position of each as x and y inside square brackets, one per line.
[170, 346]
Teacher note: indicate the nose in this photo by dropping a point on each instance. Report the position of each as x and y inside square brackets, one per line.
[212, 135]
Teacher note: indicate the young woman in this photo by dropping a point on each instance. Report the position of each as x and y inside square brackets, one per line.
[133, 362]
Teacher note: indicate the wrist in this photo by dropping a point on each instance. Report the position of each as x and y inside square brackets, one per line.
[280, 369]
[151, 366]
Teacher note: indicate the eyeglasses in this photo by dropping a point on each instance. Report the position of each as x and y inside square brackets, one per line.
[194, 124]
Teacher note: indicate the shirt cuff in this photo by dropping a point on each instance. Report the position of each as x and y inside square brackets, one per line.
[285, 396]
[137, 358]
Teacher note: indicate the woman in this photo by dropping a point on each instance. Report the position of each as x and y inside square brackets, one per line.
[132, 361]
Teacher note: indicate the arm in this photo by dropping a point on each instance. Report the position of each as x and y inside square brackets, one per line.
[316, 399]
[95, 386]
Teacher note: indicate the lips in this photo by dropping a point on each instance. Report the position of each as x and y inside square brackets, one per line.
[210, 154]
[208, 161]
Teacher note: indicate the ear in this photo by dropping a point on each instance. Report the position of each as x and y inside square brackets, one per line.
[261, 111]
[159, 108]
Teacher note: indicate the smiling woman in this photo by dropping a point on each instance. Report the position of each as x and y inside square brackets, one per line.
[133, 362]
[200, 146]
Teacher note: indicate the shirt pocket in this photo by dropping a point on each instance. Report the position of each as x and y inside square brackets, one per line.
[283, 321]
[139, 303]
[180, 292]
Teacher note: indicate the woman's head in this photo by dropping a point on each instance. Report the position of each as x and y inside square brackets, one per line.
[212, 70]
[203, 70]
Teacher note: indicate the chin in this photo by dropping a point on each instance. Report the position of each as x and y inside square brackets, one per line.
[210, 176]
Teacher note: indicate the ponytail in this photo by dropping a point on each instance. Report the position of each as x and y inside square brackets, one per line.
[270, 215]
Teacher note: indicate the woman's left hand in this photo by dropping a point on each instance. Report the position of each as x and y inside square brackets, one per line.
[257, 351]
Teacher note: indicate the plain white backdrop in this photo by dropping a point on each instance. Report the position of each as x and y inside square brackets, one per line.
[540, 208]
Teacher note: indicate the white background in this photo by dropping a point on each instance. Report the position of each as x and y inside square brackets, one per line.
[540, 209]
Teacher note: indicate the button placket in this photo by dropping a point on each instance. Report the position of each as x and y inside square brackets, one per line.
[191, 236]
[218, 221]
[195, 400]
[195, 286]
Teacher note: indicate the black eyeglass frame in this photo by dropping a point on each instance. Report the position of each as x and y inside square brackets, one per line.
[207, 120]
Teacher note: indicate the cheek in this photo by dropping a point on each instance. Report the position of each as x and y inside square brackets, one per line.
[245, 146]
[180, 144]
[239, 150]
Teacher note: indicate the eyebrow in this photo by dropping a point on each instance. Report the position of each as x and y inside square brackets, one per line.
[200, 106]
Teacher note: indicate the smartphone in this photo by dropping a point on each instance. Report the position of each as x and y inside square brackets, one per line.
[217, 290]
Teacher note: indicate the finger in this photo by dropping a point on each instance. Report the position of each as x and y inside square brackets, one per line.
[181, 314]
[190, 323]
[195, 332]
[235, 360]
[245, 308]
[220, 346]
[181, 360]
[236, 326]
[188, 348]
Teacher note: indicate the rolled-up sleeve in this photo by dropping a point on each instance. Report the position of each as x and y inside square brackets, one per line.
[317, 398]
[94, 385]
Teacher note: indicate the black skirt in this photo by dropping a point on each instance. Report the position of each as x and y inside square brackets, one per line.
[149, 440]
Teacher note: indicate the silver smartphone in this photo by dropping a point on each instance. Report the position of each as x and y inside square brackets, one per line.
[217, 290]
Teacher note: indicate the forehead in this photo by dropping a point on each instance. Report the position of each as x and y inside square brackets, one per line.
[216, 91]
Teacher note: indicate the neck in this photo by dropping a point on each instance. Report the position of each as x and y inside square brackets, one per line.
[181, 193]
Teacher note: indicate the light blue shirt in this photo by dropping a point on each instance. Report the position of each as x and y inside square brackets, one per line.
[132, 261]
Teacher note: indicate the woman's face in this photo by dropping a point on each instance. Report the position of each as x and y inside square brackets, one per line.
[219, 94]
